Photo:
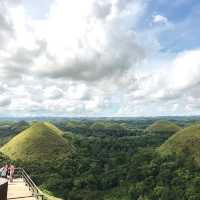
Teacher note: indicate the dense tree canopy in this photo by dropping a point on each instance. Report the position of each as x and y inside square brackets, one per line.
[115, 161]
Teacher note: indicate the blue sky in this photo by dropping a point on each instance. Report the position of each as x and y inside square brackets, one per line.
[99, 58]
[184, 15]
[37, 9]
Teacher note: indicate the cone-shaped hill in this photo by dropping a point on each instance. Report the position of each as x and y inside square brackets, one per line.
[163, 126]
[186, 141]
[42, 141]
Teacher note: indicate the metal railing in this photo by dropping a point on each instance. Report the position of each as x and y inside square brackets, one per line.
[36, 192]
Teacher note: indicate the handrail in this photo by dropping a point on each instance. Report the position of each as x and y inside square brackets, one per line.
[36, 192]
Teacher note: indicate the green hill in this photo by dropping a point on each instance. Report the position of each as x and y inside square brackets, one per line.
[163, 126]
[8, 131]
[41, 141]
[186, 141]
[19, 126]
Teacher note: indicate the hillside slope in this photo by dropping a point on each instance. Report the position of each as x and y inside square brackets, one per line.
[41, 141]
[186, 141]
[163, 126]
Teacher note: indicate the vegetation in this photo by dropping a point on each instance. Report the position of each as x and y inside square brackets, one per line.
[186, 141]
[40, 141]
[116, 160]
[9, 129]
[4, 159]
[100, 129]
[163, 126]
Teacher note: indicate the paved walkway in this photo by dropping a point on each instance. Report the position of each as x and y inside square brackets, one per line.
[18, 190]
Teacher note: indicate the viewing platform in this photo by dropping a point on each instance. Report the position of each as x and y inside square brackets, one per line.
[22, 188]
[19, 190]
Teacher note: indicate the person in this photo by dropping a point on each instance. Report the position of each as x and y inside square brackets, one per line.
[12, 171]
[1, 170]
[4, 171]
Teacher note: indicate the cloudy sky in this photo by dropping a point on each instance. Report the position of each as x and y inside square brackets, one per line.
[99, 57]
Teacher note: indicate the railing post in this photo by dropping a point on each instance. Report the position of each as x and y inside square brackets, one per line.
[3, 189]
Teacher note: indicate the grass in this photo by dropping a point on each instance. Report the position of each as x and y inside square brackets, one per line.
[49, 195]
[163, 126]
[54, 128]
[186, 141]
[41, 141]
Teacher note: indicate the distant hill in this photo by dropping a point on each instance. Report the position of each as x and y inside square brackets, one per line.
[186, 141]
[41, 141]
[9, 130]
[163, 126]
[12, 129]
[19, 126]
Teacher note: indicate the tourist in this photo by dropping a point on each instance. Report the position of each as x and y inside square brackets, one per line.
[12, 171]
[4, 171]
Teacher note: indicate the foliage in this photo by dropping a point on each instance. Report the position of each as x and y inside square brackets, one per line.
[186, 141]
[9, 129]
[164, 127]
[117, 162]
[40, 141]
[4, 160]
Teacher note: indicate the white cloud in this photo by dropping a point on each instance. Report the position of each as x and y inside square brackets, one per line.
[89, 58]
[186, 70]
[53, 93]
[5, 101]
[86, 41]
[172, 89]
[159, 19]
[86, 44]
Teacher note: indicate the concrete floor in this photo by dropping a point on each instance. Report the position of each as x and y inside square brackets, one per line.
[18, 190]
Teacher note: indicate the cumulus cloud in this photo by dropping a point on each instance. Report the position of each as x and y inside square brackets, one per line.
[88, 41]
[174, 89]
[159, 19]
[90, 58]
[186, 70]
[102, 9]
[53, 93]
[6, 26]
[5, 101]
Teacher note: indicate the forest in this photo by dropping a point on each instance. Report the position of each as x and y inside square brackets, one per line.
[115, 160]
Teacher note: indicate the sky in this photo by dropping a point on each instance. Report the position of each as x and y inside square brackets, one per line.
[99, 58]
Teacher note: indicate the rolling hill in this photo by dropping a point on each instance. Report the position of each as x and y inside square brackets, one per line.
[9, 130]
[186, 141]
[163, 126]
[41, 141]
[19, 127]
